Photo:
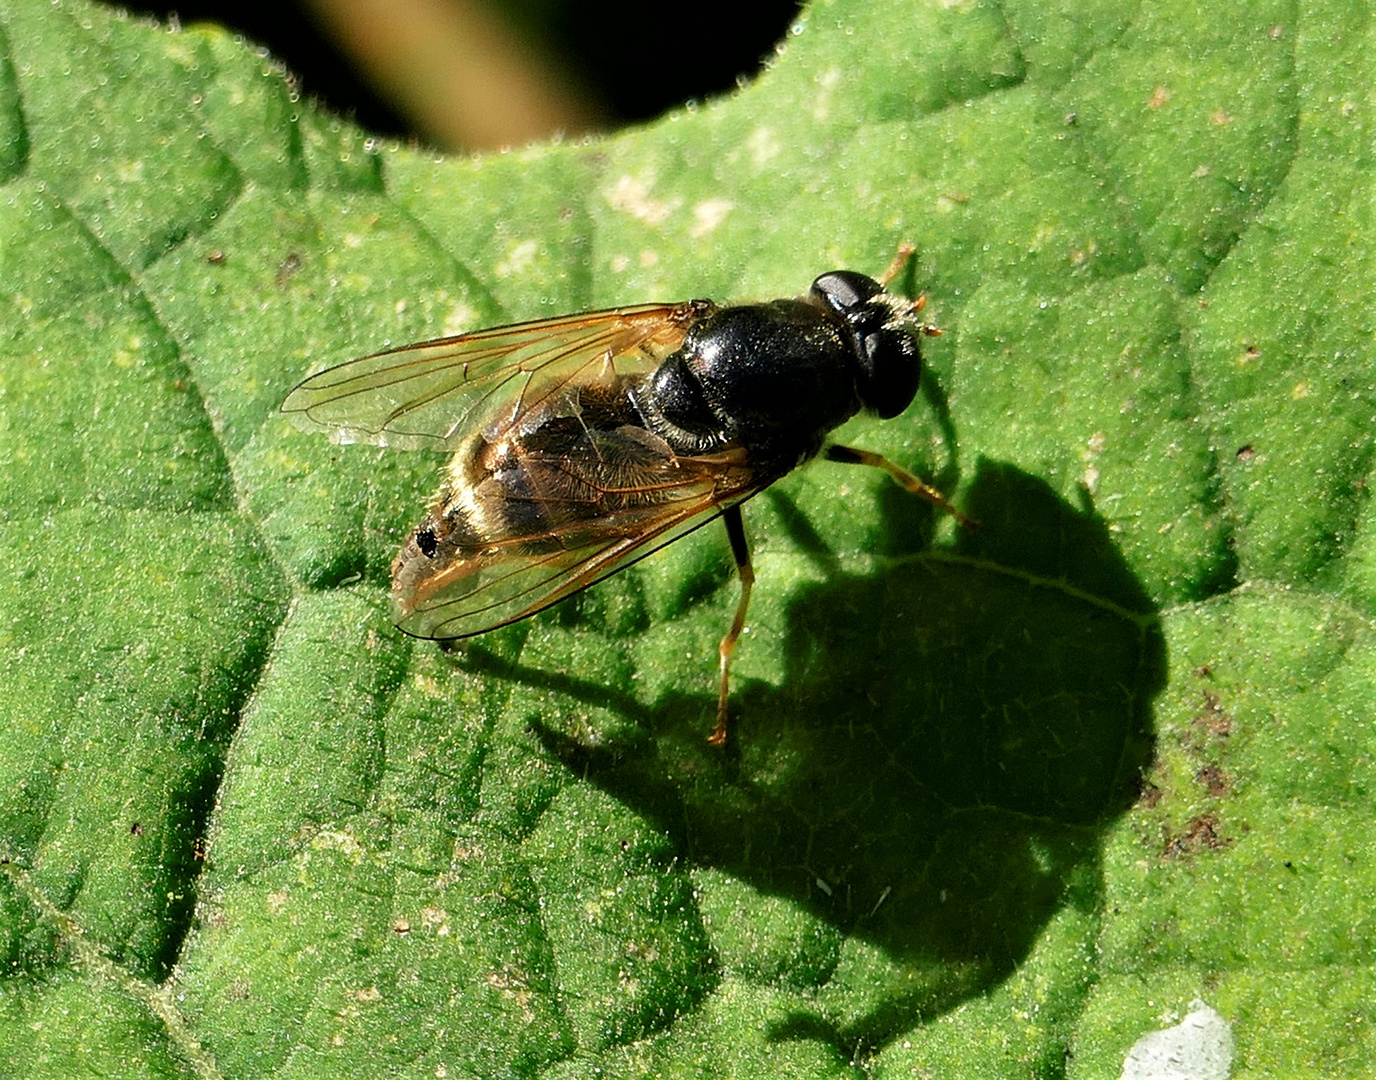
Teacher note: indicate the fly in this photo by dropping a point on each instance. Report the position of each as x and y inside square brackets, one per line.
[581, 444]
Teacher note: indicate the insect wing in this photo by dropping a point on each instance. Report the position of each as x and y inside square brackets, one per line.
[428, 395]
[525, 572]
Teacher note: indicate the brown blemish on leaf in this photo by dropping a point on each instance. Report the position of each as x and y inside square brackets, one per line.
[1200, 833]
[1212, 718]
[1214, 780]
[287, 267]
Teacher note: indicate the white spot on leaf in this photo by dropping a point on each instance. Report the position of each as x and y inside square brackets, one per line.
[826, 83]
[519, 258]
[459, 319]
[1200, 1047]
[763, 145]
[707, 215]
[631, 194]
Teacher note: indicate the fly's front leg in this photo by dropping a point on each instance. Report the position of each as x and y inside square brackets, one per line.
[905, 252]
[735, 532]
[851, 456]
[901, 260]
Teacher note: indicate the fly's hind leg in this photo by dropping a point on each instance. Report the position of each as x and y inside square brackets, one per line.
[735, 532]
[851, 456]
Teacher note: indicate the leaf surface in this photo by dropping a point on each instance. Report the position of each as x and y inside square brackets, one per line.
[997, 802]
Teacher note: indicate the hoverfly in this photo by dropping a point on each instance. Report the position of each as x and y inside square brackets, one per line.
[581, 444]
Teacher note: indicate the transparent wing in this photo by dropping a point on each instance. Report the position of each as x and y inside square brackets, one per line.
[479, 588]
[428, 395]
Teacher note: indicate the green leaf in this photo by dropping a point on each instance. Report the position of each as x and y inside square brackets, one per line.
[998, 802]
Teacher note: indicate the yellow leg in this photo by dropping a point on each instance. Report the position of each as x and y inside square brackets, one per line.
[851, 456]
[905, 252]
[735, 532]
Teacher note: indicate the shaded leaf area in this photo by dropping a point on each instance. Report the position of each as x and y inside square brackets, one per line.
[995, 799]
[929, 779]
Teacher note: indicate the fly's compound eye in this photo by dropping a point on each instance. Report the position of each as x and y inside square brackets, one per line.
[881, 337]
[893, 367]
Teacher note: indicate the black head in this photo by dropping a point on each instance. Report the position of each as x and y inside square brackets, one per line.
[882, 337]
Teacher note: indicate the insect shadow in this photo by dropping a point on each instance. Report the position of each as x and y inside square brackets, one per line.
[952, 738]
